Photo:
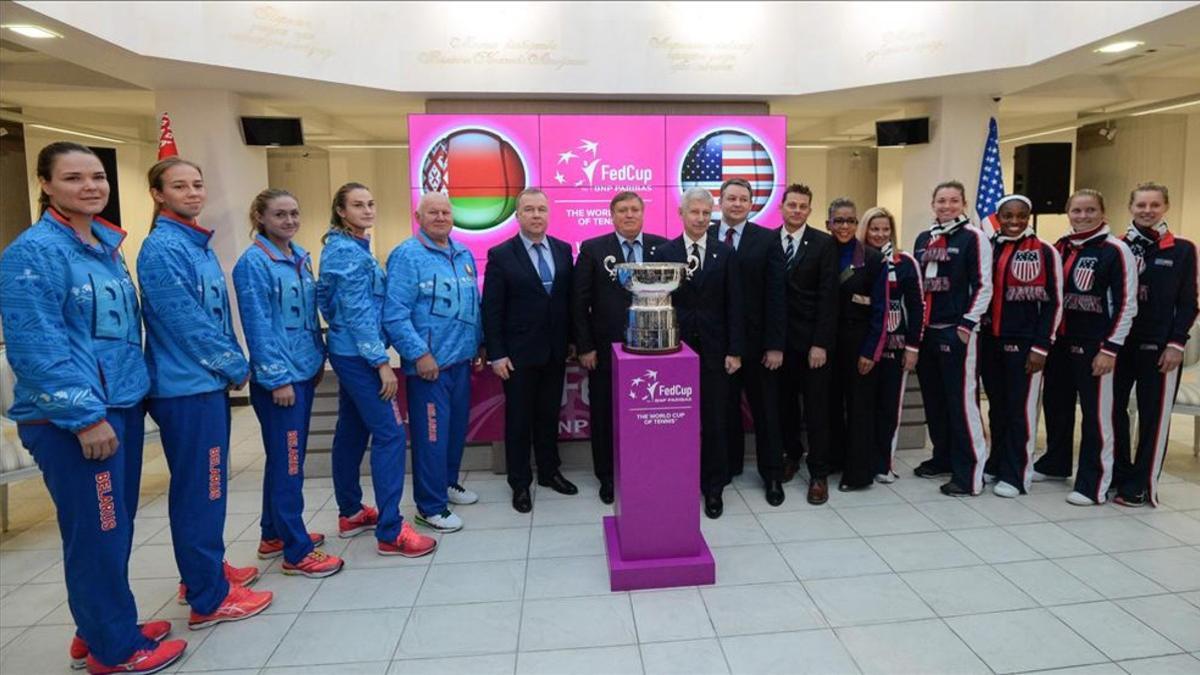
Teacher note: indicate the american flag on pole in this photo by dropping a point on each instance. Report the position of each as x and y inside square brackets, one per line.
[725, 154]
[991, 179]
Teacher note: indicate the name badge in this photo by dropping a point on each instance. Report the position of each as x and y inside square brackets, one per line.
[1165, 262]
[860, 299]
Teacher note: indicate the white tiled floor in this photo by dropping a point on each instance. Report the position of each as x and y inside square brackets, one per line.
[897, 579]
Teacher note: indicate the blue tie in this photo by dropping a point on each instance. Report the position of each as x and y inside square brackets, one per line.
[543, 268]
[629, 255]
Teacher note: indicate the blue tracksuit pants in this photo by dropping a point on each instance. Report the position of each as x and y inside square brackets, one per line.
[195, 438]
[437, 417]
[96, 501]
[362, 414]
[285, 438]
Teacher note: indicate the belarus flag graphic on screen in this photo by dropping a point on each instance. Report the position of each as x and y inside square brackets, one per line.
[480, 171]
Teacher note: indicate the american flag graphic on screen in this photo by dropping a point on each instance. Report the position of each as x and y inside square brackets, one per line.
[725, 154]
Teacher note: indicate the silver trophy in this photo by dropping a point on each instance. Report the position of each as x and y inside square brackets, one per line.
[650, 325]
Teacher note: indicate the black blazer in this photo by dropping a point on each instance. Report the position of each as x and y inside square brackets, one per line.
[812, 291]
[861, 292]
[709, 322]
[598, 302]
[764, 302]
[521, 321]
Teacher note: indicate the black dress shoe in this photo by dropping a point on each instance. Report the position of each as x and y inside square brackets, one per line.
[927, 469]
[521, 500]
[952, 489]
[847, 487]
[714, 506]
[606, 491]
[774, 492]
[559, 484]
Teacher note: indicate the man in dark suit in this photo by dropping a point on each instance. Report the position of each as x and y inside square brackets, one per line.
[526, 325]
[599, 305]
[811, 261]
[764, 305]
[710, 322]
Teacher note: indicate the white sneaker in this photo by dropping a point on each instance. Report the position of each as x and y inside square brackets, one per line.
[886, 478]
[461, 495]
[989, 478]
[1079, 499]
[1002, 489]
[442, 522]
[1039, 477]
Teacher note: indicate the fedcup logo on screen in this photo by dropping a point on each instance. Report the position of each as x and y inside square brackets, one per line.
[722, 154]
[481, 171]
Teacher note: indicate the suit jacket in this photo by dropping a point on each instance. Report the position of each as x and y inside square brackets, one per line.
[521, 321]
[862, 303]
[812, 291]
[764, 302]
[598, 302]
[710, 322]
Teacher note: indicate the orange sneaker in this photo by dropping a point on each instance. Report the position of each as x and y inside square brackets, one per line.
[236, 576]
[315, 565]
[241, 603]
[408, 543]
[151, 630]
[364, 520]
[273, 548]
[143, 660]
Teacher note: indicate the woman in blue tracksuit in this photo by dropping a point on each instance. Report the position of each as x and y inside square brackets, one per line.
[277, 300]
[432, 318]
[194, 360]
[71, 320]
[956, 268]
[904, 326]
[350, 292]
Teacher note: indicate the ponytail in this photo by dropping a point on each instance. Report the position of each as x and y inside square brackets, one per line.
[336, 222]
[155, 178]
[46, 160]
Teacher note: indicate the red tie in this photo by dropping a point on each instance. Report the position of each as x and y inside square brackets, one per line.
[729, 237]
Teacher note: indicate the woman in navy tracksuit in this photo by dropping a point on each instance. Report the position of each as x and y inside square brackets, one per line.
[1151, 357]
[277, 300]
[1099, 303]
[71, 320]
[194, 360]
[903, 325]
[956, 264]
[1018, 331]
[350, 292]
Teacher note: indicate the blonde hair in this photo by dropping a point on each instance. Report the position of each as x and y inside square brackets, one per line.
[155, 178]
[1150, 187]
[872, 214]
[1087, 192]
[259, 206]
[336, 222]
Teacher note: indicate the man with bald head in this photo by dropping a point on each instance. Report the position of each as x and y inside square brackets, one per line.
[431, 318]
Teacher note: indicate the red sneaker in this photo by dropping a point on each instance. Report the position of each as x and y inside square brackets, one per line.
[143, 660]
[153, 630]
[315, 565]
[364, 520]
[273, 548]
[236, 576]
[408, 543]
[241, 603]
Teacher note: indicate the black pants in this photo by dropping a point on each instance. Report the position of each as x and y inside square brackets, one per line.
[1137, 365]
[1012, 409]
[762, 391]
[891, 379]
[532, 397]
[804, 408]
[601, 414]
[714, 458]
[851, 412]
[947, 373]
[1069, 380]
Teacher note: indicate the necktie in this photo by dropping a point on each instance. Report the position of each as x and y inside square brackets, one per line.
[629, 252]
[729, 238]
[791, 248]
[698, 256]
[543, 268]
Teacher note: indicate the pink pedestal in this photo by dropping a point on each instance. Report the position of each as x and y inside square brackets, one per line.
[654, 540]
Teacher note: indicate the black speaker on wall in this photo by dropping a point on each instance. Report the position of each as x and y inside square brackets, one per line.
[272, 131]
[108, 158]
[1042, 172]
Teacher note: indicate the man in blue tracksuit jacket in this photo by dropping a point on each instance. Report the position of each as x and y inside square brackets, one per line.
[194, 359]
[431, 317]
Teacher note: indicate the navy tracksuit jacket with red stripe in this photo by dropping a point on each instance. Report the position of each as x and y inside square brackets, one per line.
[1167, 307]
[904, 322]
[1099, 303]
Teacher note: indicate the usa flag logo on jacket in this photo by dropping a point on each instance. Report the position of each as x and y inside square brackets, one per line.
[1084, 274]
[1026, 265]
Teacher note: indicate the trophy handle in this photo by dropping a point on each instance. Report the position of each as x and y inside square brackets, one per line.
[693, 264]
[610, 264]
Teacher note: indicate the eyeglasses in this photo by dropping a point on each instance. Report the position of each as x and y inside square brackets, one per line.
[844, 221]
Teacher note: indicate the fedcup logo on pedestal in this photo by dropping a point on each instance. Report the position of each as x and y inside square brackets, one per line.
[647, 388]
[726, 153]
[481, 171]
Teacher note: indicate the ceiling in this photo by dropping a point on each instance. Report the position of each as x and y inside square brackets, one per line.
[1061, 89]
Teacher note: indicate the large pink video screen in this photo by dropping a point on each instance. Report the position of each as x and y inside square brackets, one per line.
[581, 161]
